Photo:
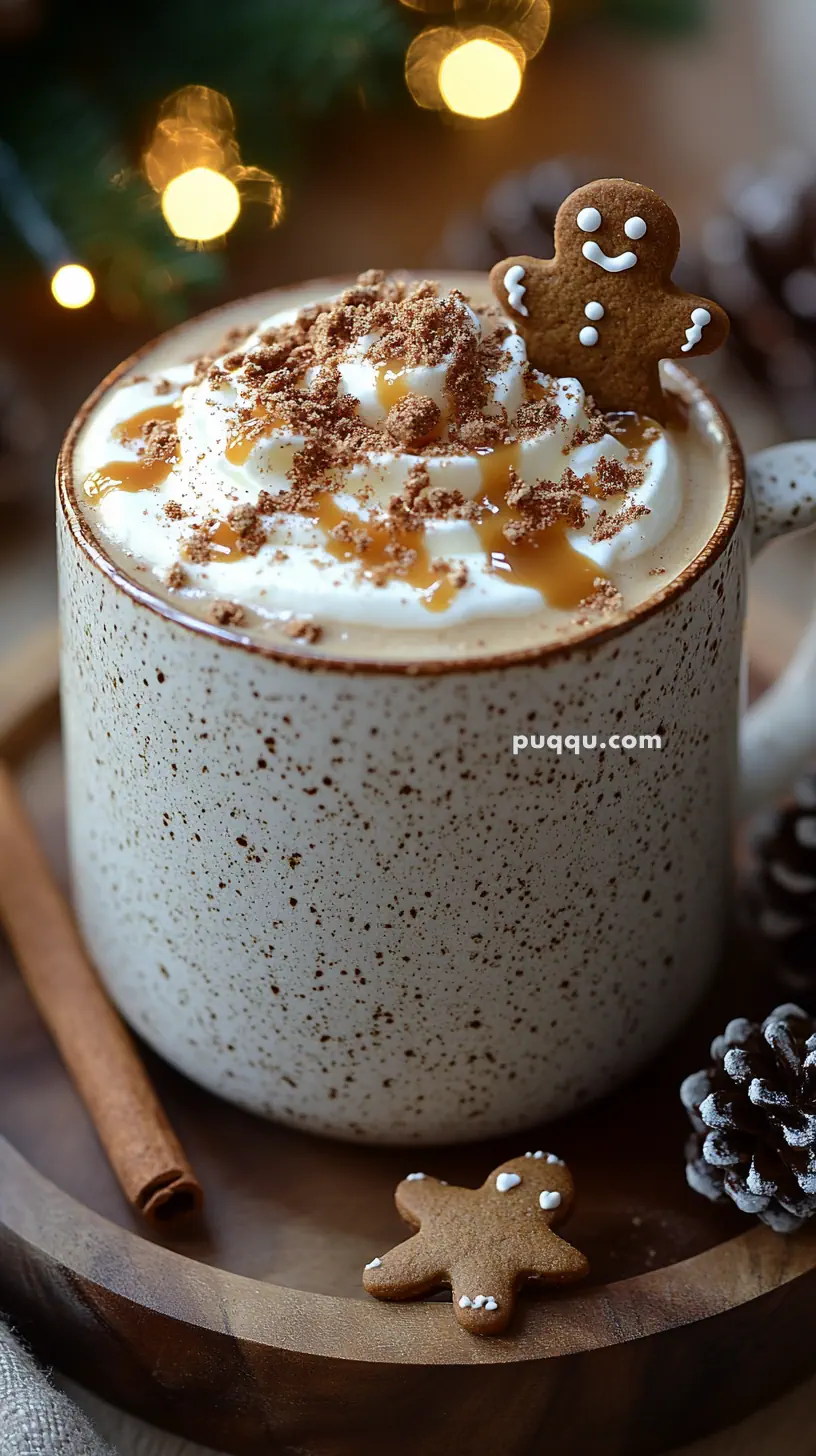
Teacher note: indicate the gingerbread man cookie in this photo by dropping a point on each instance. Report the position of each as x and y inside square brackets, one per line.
[604, 310]
[483, 1242]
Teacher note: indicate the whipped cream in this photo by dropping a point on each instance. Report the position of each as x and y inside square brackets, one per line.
[294, 575]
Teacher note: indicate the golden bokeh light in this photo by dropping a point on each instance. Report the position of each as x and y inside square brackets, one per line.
[532, 28]
[527, 21]
[195, 128]
[423, 60]
[256, 185]
[194, 162]
[200, 205]
[73, 285]
[480, 78]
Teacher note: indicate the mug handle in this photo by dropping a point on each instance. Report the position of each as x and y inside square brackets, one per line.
[778, 734]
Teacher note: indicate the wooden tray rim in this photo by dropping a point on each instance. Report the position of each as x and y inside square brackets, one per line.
[720, 1279]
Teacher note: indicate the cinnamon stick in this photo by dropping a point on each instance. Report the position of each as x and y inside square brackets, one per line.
[93, 1042]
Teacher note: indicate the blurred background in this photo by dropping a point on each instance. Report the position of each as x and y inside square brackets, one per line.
[159, 158]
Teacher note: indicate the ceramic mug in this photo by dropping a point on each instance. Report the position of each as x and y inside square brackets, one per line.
[330, 891]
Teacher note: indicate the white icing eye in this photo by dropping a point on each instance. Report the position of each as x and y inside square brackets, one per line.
[635, 228]
[589, 219]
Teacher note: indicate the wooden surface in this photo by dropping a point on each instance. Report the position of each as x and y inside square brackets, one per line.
[784, 1428]
[29, 682]
[256, 1336]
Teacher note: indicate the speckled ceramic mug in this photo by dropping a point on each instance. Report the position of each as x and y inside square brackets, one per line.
[331, 892]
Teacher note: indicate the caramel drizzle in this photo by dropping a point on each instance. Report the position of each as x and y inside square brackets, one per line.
[637, 433]
[391, 382]
[225, 542]
[136, 474]
[391, 385]
[256, 427]
[544, 560]
[428, 578]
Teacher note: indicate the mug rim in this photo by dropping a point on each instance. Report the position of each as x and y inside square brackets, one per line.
[692, 390]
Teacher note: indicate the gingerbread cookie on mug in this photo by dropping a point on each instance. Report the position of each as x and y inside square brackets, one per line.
[604, 310]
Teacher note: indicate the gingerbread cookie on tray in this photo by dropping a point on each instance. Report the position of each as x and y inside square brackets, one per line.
[604, 310]
[483, 1242]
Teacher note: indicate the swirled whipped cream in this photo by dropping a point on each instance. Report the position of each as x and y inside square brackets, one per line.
[384, 459]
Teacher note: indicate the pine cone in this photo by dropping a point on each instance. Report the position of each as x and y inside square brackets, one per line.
[754, 1118]
[758, 257]
[783, 894]
[517, 214]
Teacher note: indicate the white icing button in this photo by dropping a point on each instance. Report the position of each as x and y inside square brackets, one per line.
[549, 1200]
[415, 1177]
[589, 219]
[635, 228]
[375, 1264]
[479, 1301]
[492, 1304]
[506, 1181]
[595, 311]
[465, 1303]
[589, 336]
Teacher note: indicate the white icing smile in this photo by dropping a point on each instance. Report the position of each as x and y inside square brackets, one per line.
[594, 253]
[516, 289]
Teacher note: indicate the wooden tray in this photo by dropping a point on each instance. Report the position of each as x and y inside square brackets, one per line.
[256, 1336]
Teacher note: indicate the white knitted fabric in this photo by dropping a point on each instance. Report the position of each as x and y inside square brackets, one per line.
[35, 1419]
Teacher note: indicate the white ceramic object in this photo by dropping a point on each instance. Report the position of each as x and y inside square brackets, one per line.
[332, 894]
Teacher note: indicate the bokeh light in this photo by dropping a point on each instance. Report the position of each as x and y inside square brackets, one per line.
[195, 128]
[532, 28]
[480, 78]
[200, 205]
[194, 162]
[527, 21]
[73, 285]
[423, 60]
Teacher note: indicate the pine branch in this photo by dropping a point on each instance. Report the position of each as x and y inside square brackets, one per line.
[79, 104]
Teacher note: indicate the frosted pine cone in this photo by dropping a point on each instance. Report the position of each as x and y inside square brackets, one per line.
[754, 1118]
[758, 257]
[784, 892]
[517, 214]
